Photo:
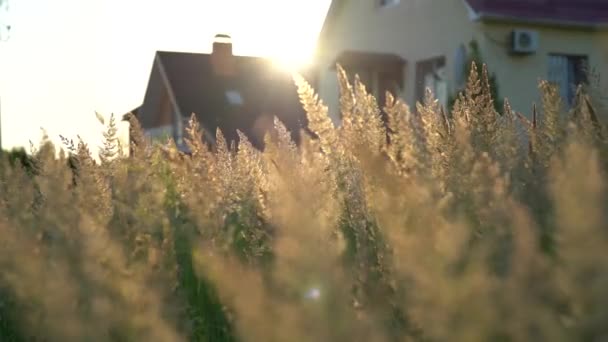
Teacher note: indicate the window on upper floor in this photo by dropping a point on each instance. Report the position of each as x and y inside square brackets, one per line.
[567, 72]
[388, 3]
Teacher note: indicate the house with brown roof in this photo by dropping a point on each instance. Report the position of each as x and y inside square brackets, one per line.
[405, 46]
[223, 90]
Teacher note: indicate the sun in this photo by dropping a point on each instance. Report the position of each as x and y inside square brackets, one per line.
[292, 50]
[287, 36]
[293, 62]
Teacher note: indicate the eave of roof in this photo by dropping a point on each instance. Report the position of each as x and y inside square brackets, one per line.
[495, 17]
[263, 88]
[366, 58]
[133, 111]
[533, 18]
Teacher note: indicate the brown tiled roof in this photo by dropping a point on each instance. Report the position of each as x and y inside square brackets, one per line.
[264, 89]
[575, 12]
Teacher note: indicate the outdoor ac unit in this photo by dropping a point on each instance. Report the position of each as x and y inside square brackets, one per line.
[524, 41]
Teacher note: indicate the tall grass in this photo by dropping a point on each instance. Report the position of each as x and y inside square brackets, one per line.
[473, 225]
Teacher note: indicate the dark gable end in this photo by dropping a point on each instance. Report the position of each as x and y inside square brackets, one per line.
[584, 13]
[223, 91]
[155, 98]
[246, 97]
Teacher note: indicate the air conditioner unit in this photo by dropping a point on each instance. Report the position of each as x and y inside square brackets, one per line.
[524, 41]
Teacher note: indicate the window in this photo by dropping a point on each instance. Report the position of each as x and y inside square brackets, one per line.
[388, 81]
[365, 75]
[379, 72]
[567, 72]
[387, 3]
[378, 82]
[431, 74]
[234, 97]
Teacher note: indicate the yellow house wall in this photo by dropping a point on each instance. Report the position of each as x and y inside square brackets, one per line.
[421, 29]
[518, 76]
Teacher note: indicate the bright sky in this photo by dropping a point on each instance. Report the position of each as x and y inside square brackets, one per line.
[67, 59]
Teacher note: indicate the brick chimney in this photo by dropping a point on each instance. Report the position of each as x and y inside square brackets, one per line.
[221, 57]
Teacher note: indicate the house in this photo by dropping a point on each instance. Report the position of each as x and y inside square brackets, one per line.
[405, 46]
[223, 90]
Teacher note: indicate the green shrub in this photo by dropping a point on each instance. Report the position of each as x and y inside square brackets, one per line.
[436, 227]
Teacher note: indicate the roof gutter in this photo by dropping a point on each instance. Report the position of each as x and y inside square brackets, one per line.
[488, 16]
[477, 16]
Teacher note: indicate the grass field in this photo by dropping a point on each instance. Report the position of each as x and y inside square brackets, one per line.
[460, 225]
